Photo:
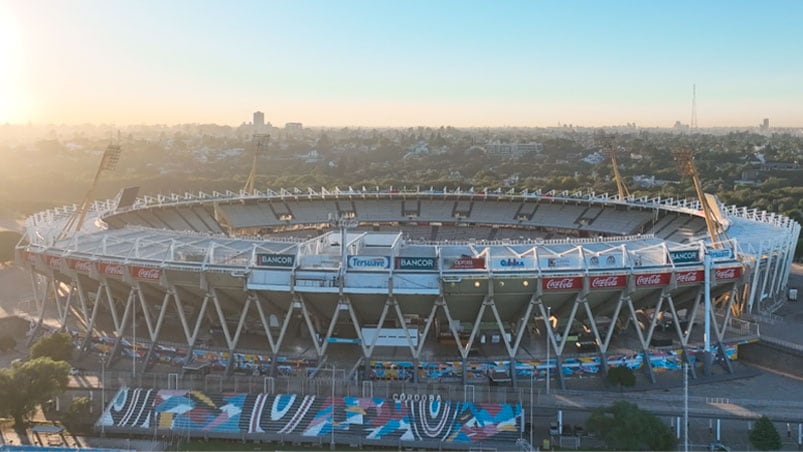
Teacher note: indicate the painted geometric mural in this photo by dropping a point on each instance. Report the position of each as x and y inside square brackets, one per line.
[311, 416]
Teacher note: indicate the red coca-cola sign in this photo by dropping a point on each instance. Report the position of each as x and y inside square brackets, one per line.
[53, 261]
[690, 277]
[146, 273]
[111, 269]
[725, 274]
[563, 283]
[652, 279]
[79, 265]
[608, 282]
[468, 263]
[26, 256]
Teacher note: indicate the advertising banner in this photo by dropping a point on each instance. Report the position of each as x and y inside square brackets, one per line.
[727, 274]
[652, 279]
[607, 282]
[724, 254]
[605, 260]
[79, 265]
[685, 257]
[390, 337]
[116, 270]
[369, 262]
[276, 260]
[556, 262]
[465, 263]
[563, 283]
[513, 263]
[146, 273]
[416, 263]
[690, 277]
[53, 261]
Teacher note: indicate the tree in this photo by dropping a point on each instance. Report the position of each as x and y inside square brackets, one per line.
[57, 346]
[623, 426]
[621, 376]
[26, 385]
[7, 343]
[764, 435]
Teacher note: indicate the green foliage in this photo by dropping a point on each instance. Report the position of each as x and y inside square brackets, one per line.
[624, 426]
[764, 435]
[57, 346]
[7, 343]
[79, 407]
[28, 384]
[621, 376]
[8, 240]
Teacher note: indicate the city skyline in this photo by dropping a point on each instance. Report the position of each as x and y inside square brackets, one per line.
[387, 64]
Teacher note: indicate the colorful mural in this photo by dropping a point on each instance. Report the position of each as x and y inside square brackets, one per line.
[259, 364]
[582, 366]
[311, 416]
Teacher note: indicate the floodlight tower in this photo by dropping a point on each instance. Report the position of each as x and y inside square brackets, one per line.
[685, 161]
[608, 144]
[111, 156]
[261, 146]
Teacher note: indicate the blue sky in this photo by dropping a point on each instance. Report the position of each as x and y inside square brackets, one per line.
[401, 63]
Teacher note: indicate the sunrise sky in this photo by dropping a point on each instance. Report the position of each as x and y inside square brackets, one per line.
[401, 63]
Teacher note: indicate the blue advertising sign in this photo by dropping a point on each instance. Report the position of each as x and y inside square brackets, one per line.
[685, 256]
[369, 262]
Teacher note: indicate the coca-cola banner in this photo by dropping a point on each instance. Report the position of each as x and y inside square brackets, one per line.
[79, 265]
[652, 279]
[726, 274]
[690, 277]
[146, 273]
[607, 282]
[563, 283]
[108, 269]
[465, 263]
[53, 261]
[27, 256]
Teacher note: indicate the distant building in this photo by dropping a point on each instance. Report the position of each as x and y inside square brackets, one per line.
[765, 124]
[510, 150]
[259, 118]
[293, 126]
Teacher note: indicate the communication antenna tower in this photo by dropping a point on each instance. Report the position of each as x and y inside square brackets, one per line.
[261, 141]
[608, 144]
[111, 156]
[685, 161]
[693, 123]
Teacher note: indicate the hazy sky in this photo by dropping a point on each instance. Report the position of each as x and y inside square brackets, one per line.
[401, 63]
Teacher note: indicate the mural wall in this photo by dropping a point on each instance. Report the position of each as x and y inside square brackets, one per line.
[312, 417]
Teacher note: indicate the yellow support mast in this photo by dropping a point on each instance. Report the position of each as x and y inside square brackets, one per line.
[608, 144]
[262, 141]
[685, 161]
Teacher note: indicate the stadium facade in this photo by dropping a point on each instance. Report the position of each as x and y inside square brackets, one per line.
[430, 273]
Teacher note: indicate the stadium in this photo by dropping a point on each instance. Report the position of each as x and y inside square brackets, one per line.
[430, 287]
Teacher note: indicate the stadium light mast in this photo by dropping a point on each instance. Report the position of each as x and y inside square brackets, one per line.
[685, 161]
[111, 156]
[608, 144]
[262, 140]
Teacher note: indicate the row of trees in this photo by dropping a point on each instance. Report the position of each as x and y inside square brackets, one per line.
[27, 384]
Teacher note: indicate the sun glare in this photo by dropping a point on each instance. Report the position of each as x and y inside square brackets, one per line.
[14, 102]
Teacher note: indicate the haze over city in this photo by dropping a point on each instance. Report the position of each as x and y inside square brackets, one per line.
[405, 63]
